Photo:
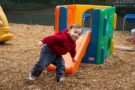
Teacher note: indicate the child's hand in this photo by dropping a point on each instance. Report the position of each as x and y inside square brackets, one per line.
[40, 44]
[74, 60]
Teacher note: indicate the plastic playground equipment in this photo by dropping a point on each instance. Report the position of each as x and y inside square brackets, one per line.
[5, 34]
[96, 43]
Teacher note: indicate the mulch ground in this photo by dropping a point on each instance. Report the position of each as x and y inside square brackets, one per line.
[19, 55]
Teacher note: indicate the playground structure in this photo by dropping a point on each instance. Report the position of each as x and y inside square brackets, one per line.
[5, 34]
[96, 43]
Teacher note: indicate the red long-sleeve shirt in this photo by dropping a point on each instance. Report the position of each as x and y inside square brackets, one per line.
[61, 43]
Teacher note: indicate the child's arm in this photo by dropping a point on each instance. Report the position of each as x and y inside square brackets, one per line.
[53, 39]
[73, 53]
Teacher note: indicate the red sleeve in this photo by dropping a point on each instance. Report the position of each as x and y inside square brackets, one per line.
[53, 39]
[73, 52]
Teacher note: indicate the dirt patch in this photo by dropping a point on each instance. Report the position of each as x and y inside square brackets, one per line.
[19, 55]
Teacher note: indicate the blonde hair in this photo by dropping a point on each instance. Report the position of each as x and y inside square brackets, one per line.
[76, 25]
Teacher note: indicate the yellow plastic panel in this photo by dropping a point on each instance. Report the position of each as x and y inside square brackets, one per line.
[115, 20]
[81, 9]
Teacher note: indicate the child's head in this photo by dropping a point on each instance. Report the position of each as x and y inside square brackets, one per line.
[75, 31]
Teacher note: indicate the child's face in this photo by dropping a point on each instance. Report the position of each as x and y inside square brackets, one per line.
[75, 33]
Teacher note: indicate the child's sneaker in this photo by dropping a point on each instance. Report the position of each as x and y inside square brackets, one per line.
[60, 78]
[32, 78]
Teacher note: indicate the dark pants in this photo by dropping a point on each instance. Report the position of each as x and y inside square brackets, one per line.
[46, 58]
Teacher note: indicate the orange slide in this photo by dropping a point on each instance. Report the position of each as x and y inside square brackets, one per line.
[81, 46]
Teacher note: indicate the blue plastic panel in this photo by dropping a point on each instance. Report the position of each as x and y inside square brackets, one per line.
[63, 18]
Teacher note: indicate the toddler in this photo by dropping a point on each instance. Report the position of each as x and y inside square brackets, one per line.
[53, 47]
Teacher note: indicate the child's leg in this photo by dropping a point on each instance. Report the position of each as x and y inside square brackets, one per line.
[45, 59]
[60, 70]
[60, 63]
